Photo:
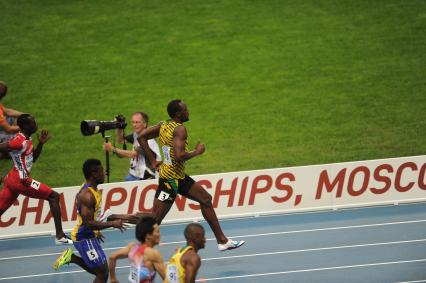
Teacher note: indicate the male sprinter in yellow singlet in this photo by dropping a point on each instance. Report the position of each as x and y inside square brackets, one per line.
[173, 180]
[184, 264]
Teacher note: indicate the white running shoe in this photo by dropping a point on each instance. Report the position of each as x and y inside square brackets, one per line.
[104, 216]
[230, 245]
[63, 241]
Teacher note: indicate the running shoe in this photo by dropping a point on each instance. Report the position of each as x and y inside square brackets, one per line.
[104, 216]
[230, 245]
[64, 258]
[63, 241]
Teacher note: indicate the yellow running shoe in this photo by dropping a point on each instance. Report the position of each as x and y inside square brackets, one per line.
[64, 258]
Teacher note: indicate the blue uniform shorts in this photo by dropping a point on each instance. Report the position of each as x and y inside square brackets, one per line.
[91, 252]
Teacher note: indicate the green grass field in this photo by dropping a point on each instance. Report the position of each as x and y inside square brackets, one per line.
[269, 83]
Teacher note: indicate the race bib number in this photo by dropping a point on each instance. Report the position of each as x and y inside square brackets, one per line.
[163, 196]
[172, 274]
[166, 153]
[35, 185]
[133, 275]
[92, 255]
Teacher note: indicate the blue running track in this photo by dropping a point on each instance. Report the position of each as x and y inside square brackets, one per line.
[380, 244]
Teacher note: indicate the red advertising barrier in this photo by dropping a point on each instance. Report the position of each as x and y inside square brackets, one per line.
[235, 194]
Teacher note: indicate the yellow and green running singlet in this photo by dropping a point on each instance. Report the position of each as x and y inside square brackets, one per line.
[170, 169]
[175, 272]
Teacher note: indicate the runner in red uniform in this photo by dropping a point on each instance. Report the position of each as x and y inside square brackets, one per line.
[18, 180]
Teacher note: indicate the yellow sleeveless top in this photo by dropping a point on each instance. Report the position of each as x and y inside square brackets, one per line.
[80, 231]
[175, 273]
[170, 168]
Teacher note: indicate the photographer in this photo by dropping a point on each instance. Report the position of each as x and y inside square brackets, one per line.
[139, 166]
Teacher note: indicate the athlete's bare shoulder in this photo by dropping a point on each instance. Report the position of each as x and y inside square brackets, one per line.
[180, 131]
[86, 197]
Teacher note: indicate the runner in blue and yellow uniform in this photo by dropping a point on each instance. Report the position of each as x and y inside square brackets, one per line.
[173, 180]
[86, 235]
[184, 264]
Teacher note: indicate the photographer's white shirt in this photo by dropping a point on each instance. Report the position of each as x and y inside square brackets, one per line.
[138, 165]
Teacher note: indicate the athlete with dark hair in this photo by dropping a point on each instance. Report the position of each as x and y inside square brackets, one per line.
[145, 260]
[18, 181]
[173, 180]
[184, 264]
[86, 234]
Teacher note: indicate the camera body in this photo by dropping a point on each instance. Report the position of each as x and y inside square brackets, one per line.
[91, 127]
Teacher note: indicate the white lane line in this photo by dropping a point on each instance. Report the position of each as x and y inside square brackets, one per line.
[41, 275]
[238, 218]
[132, 226]
[242, 256]
[311, 270]
[28, 256]
[319, 249]
[417, 281]
[247, 275]
[333, 228]
[255, 235]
